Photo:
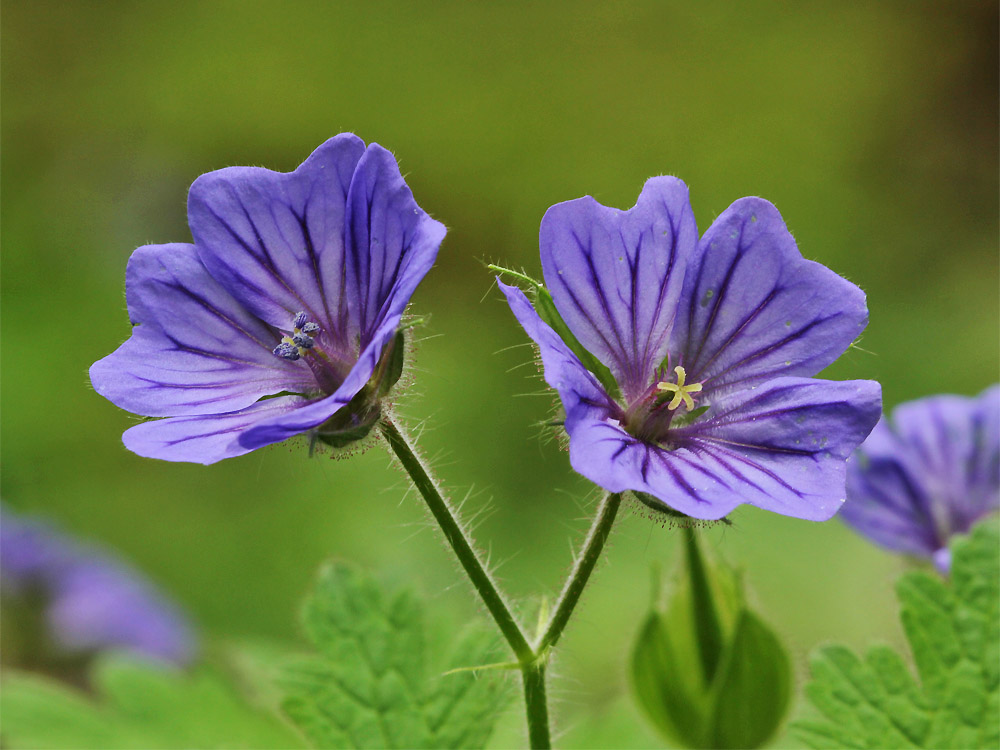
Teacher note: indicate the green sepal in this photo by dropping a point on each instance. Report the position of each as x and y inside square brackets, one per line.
[677, 707]
[753, 688]
[704, 611]
[660, 507]
[341, 438]
[355, 421]
[390, 367]
[546, 309]
[351, 423]
[706, 670]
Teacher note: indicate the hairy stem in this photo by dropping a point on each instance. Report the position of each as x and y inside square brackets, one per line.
[531, 660]
[536, 704]
[592, 547]
[453, 532]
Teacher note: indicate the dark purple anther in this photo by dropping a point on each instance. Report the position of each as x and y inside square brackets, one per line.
[340, 240]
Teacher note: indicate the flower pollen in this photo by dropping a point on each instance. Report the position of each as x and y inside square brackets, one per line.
[297, 345]
[682, 393]
[743, 420]
[276, 317]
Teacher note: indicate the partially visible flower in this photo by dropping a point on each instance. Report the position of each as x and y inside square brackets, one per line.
[685, 370]
[92, 601]
[282, 317]
[926, 474]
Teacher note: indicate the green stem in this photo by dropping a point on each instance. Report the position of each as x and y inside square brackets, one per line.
[584, 566]
[455, 535]
[531, 660]
[706, 619]
[536, 705]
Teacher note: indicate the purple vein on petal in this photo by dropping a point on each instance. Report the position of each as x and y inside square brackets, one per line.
[265, 263]
[755, 465]
[593, 323]
[761, 353]
[208, 306]
[334, 326]
[706, 449]
[695, 447]
[660, 305]
[674, 474]
[703, 368]
[598, 284]
[271, 267]
[719, 297]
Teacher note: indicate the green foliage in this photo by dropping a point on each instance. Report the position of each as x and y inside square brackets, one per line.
[954, 634]
[369, 686]
[138, 704]
[706, 670]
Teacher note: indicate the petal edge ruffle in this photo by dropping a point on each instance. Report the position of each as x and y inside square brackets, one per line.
[275, 240]
[616, 276]
[391, 243]
[754, 309]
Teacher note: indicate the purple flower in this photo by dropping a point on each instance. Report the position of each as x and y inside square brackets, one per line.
[927, 474]
[698, 391]
[282, 317]
[92, 601]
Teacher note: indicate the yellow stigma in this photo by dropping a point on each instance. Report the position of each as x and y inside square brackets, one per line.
[682, 393]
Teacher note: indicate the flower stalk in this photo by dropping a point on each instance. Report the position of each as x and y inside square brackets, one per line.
[584, 566]
[532, 659]
[455, 534]
[536, 703]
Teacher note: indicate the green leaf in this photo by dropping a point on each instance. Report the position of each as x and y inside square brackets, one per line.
[137, 704]
[954, 635]
[369, 686]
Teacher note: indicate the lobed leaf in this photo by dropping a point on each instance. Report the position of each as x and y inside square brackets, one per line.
[369, 686]
[954, 637]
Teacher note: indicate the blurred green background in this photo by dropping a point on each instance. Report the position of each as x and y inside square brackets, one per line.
[872, 127]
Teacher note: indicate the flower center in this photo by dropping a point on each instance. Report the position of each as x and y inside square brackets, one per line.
[301, 344]
[651, 417]
[682, 392]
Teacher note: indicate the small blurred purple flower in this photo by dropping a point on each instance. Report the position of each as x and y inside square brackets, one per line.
[92, 601]
[926, 474]
[711, 344]
[281, 317]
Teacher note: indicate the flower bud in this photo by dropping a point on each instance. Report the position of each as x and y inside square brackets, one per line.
[707, 671]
